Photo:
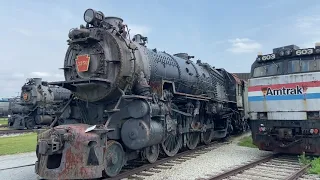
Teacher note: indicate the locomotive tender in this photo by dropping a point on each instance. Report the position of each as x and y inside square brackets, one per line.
[284, 100]
[37, 105]
[134, 102]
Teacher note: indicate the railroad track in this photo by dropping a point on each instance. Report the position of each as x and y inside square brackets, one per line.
[272, 167]
[139, 169]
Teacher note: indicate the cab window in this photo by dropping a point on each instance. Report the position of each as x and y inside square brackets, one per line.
[306, 65]
[268, 70]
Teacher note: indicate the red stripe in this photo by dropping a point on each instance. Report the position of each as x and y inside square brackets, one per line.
[289, 85]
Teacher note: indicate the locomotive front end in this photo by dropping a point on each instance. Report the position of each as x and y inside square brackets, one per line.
[284, 100]
[68, 152]
[30, 90]
[99, 60]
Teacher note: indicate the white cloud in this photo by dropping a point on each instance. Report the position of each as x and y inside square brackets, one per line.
[14, 81]
[138, 29]
[244, 45]
[42, 74]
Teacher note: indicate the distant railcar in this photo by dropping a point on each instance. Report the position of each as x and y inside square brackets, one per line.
[284, 100]
[4, 107]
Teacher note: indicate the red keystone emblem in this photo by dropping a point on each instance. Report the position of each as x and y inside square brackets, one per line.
[83, 62]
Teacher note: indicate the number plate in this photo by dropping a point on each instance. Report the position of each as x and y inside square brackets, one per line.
[83, 62]
[25, 96]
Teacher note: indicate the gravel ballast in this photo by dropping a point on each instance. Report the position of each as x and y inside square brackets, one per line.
[212, 162]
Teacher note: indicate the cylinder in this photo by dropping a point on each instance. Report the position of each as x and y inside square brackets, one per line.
[114, 21]
[137, 134]
[138, 108]
[43, 119]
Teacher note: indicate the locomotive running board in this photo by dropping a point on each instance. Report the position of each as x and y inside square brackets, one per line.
[98, 130]
[72, 85]
[181, 112]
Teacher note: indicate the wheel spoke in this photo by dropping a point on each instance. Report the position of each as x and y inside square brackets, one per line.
[207, 136]
[152, 153]
[114, 156]
[192, 140]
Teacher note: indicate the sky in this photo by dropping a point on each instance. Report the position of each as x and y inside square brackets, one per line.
[224, 33]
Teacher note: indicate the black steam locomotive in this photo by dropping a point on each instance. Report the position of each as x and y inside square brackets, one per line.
[37, 105]
[134, 102]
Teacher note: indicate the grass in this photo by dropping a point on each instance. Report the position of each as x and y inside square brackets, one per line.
[315, 163]
[3, 120]
[18, 144]
[247, 142]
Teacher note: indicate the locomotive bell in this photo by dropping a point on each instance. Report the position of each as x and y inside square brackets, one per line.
[37, 81]
[140, 39]
[115, 22]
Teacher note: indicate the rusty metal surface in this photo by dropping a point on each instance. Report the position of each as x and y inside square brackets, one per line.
[74, 154]
[243, 76]
[238, 80]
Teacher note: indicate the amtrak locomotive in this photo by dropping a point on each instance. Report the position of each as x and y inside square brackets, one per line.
[284, 100]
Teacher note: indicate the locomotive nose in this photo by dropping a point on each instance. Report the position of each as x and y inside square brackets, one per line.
[99, 60]
[93, 68]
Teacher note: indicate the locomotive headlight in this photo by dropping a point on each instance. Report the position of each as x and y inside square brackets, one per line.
[288, 52]
[93, 17]
[281, 53]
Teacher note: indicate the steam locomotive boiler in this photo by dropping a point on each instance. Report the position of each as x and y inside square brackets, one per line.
[138, 102]
[37, 105]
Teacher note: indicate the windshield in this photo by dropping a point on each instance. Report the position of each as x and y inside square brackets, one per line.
[268, 70]
[307, 65]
